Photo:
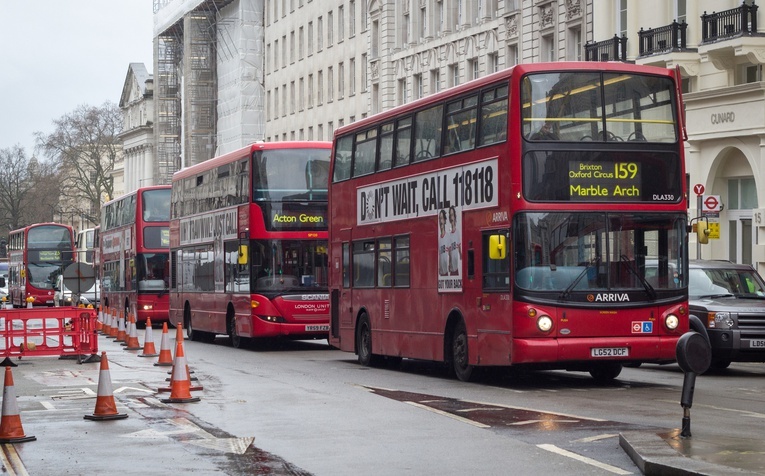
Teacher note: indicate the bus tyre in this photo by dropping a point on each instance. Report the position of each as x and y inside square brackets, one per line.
[364, 342]
[606, 371]
[191, 334]
[459, 356]
[236, 340]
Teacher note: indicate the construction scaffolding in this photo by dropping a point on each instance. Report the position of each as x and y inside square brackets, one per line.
[167, 96]
[200, 86]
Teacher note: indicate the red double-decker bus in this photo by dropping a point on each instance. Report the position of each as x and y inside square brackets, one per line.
[37, 255]
[134, 244]
[248, 244]
[515, 219]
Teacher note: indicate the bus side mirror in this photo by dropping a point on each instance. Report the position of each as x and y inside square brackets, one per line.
[702, 232]
[243, 253]
[497, 247]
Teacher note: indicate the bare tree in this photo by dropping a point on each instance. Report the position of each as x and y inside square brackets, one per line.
[85, 146]
[15, 183]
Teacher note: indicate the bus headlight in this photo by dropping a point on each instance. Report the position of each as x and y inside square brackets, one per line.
[671, 321]
[148, 307]
[544, 323]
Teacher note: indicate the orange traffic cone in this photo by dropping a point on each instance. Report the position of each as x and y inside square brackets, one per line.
[115, 325]
[121, 330]
[11, 430]
[106, 408]
[132, 341]
[180, 384]
[165, 356]
[148, 342]
[107, 328]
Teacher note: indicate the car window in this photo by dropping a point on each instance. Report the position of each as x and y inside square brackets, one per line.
[707, 282]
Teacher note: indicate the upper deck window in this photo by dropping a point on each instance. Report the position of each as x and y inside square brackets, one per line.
[608, 107]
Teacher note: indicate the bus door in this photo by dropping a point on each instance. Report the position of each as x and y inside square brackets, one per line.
[341, 305]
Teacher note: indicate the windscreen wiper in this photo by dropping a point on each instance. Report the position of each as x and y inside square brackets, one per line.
[566, 292]
[648, 288]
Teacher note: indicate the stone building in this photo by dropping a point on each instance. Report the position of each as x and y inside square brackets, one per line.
[719, 46]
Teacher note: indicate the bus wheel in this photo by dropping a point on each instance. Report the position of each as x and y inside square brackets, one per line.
[606, 372]
[236, 340]
[364, 342]
[460, 366]
[191, 334]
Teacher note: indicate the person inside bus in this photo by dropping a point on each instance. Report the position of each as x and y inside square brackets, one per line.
[546, 132]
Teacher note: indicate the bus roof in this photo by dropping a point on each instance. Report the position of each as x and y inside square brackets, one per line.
[141, 189]
[504, 74]
[246, 151]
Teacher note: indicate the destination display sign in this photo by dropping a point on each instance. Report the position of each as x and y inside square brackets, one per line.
[288, 216]
[602, 176]
[606, 181]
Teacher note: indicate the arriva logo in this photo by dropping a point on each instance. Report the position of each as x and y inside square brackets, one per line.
[608, 297]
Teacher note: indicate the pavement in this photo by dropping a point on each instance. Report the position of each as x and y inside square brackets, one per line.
[669, 454]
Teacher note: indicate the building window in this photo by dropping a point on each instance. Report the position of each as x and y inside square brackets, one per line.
[301, 43]
[512, 55]
[574, 44]
[320, 89]
[284, 51]
[352, 18]
[352, 76]
[474, 69]
[742, 194]
[340, 80]
[748, 73]
[292, 46]
[319, 34]
[454, 75]
[435, 80]
[310, 38]
[402, 97]
[310, 91]
[364, 72]
[621, 17]
[417, 86]
[440, 17]
[292, 97]
[423, 23]
[330, 83]
[493, 62]
[301, 94]
[330, 29]
[547, 48]
[681, 11]
[406, 32]
[340, 23]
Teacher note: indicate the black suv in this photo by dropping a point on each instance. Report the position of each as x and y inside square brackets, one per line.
[729, 299]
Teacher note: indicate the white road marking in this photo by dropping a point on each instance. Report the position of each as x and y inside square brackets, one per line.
[595, 438]
[449, 415]
[583, 459]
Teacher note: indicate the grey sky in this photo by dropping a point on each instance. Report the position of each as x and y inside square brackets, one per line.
[56, 55]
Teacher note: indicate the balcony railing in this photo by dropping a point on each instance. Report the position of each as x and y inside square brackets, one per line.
[614, 49]
[729, 23]
[663, 39]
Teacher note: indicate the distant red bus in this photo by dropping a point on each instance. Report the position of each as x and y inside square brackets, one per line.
[248, 244]
[519, 218]
[37, 255]
[133, 253]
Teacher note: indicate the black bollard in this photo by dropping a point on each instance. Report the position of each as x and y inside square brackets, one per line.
[694, 355]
